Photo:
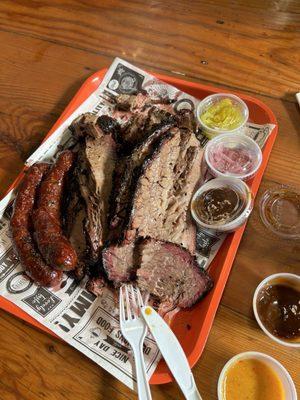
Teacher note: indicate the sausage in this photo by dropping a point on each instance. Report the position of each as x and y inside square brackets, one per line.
[55, 248]
[20, 225]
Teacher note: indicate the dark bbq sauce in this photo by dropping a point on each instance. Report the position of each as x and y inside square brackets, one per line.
[278, 306]
[218, 205]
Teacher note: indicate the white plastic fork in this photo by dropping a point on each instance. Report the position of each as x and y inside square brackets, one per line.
[134, 329]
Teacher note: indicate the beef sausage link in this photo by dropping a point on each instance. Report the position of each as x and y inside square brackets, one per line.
[20, 225]
[55, 248]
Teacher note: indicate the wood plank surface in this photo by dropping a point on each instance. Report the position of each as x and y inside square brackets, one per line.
[48, 49]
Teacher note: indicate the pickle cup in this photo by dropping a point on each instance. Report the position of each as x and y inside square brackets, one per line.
[209, 101]
[239, 187]
[293, 279]
[287, 382]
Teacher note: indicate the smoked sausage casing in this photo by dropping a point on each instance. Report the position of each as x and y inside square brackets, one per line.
[55, 248]
[20, 225]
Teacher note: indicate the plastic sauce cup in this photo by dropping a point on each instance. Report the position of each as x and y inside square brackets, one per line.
[287, 382]
[238, 186]
[211, 132]
[293, 278]
[233, 155]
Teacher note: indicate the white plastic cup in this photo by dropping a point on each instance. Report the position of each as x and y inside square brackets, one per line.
[208, 101]
[287, 382]
[237, 185]
[233, 141]
[293, 278]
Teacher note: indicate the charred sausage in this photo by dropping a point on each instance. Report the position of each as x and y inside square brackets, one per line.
[20, 225]
[55, 248]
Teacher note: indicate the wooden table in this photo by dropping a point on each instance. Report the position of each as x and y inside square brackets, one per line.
[48, 48]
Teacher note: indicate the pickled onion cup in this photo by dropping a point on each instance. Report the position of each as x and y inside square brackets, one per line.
[247, 154]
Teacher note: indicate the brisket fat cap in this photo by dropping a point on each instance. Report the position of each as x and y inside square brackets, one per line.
[160, 207]
[96, 163]
[171, 274]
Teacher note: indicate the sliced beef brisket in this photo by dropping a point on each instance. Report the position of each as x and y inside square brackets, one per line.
[171, 274]
[96, 163]
[160, 207]
[120, 262]
[125, 180]
[140, 115]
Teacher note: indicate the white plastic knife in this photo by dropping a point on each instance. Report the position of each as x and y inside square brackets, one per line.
[172, 352]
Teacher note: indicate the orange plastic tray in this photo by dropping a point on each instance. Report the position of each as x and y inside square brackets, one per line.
[192, 326]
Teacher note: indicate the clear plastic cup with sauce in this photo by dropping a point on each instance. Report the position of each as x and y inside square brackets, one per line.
[222, 204]
[233, 155]
[222, 113]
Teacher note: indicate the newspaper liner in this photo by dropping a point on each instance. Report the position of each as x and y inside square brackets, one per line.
[88, 323]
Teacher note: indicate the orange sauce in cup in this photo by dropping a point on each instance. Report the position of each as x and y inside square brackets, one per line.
[252, 379]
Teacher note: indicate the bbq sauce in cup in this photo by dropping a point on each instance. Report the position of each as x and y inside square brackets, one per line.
[218, 205]
[278, 306]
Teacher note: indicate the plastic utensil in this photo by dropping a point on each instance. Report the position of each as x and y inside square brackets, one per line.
[134, 330]
[172, 352]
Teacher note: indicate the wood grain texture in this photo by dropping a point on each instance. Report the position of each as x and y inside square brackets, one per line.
[48, 48]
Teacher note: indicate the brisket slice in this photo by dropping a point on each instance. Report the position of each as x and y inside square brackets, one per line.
[160, 206]
[140, 115]
[126, 179]
[165, 270]
[74, 217]
[141, 124]
[138, 102]
[171, 274]
[96, 164]
[120, 262]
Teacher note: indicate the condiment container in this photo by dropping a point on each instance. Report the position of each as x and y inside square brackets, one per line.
[280, 278]
[279, 210]
[212, 130]
[283, 375]
[241, 190]
[233, 155]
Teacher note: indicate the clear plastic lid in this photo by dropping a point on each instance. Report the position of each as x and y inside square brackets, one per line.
[233, 155]
[280, 211]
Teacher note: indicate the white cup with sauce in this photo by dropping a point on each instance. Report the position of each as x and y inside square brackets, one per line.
[273, 279]
[288, 385]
